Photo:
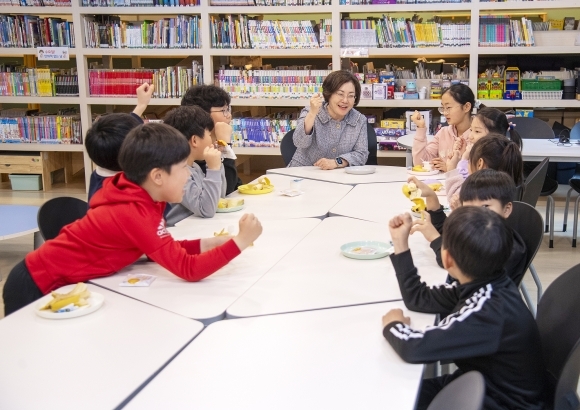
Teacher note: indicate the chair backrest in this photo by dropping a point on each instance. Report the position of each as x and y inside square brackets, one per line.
[56, 213]
[575, 132]
[557, 319]
[534, 183]
[566, 397]
[287, 147]
[532, 128]
[528, 223]
[372, 137]
[464, 393]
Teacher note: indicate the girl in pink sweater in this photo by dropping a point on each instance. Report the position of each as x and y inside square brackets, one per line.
[456, 105]
[493, 151]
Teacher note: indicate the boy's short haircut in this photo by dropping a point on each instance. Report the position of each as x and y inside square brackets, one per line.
[206, 97]
[103, 140]
[151, 146]
[189, 120]
[479, 241]
[488, 184]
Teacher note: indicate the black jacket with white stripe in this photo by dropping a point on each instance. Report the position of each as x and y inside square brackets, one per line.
[487, 328]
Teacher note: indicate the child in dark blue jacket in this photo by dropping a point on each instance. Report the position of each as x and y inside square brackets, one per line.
[486, 328]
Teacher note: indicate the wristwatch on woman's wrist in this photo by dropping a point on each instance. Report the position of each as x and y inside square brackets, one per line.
[339, 162]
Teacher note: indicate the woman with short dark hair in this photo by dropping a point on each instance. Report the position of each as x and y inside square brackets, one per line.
[330, 133]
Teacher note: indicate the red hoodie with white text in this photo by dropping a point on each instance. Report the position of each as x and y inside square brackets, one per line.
[122, 224]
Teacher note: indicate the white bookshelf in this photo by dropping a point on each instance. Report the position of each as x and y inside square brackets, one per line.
[206, 55]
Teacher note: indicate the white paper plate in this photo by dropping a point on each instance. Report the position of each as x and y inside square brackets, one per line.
[433, 172]
[360, 170]
[95, 302]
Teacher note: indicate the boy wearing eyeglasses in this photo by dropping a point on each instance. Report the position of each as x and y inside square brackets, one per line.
[216, 102]
[203, 189]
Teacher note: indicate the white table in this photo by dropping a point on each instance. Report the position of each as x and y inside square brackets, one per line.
[376, 202]
[537, 150]
[315, 275]
[327, 359]
[317, 199]
[382, 173]
[208, 299]
[533, 150]
[91, 362]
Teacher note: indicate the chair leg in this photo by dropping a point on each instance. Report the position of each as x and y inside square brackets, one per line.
[547, 219]
[575, 230]
[528, 299]
[552, 205]
[568, 195]
[536, 281]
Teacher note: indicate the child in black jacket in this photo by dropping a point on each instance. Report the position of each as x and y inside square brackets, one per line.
[486, 328]
[491, 189]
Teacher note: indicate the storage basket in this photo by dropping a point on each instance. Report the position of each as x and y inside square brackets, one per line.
[542, 95]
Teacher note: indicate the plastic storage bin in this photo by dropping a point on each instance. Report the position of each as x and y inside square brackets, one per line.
[542, 95]
[541, 85]
[31, 182]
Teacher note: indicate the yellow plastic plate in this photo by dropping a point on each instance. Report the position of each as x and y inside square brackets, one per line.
[244, 189]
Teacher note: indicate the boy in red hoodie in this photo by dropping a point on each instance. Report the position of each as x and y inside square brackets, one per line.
[125, 221]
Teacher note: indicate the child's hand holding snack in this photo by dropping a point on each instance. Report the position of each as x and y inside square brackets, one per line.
[425, 226]
[213, 158]
[223, 132]
[431, 198]
[250, 230]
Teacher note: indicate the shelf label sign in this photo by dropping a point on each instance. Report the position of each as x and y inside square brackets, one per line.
[52, 53]
[354, 52]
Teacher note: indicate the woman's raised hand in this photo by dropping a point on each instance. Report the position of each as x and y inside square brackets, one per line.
[316, 102]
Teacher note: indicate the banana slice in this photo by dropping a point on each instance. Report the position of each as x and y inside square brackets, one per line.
[222, 143]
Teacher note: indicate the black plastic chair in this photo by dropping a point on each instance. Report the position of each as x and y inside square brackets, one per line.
[56, 213]
[528, 223]
[558, 323]
[534, 182]
[574, 186]
[372, 137]
[532, 128]
[566, 397]
[287, 147]
[537, 184]
[467, 392]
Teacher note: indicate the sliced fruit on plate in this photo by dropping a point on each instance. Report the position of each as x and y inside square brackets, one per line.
[225, 203]
[78, 297]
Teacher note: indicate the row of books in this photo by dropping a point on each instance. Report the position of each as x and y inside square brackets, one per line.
[170, 82]
[39, 82]
[29, 31]
[174, 32]
[36, 3]
[501, 31]
[260, 132]
[272, 83]
[241, 32]
[270, 2]
[140, 3]
[389, 32]
[52, 129]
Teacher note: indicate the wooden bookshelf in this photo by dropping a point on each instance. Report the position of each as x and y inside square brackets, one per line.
[208, 56]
